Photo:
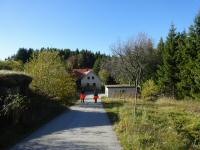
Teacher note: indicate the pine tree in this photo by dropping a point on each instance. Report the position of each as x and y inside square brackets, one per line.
[159, 58]
[22, 55]
[160, 49]
[182, 62]
[97, 65]
[193, 66]
[167, 71]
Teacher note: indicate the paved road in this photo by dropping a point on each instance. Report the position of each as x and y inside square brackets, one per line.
[85, 127]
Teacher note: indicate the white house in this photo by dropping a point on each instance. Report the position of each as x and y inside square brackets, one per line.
[119, 90]
[87, 79]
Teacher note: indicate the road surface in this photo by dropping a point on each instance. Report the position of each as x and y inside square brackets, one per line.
[84, 127]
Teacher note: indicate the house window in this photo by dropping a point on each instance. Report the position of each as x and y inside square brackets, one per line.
[92, 77]
[88, 78]
[94, 84]
[88, 84]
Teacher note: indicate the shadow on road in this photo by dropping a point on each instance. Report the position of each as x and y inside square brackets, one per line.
[61, 145]
[81, 116]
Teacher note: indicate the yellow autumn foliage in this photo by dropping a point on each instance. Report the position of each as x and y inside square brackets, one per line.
[50, 76]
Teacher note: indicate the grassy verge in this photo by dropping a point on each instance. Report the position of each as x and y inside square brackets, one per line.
[163, 124]
[40, 110]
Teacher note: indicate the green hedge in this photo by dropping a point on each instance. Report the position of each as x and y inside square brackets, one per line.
[12, 79]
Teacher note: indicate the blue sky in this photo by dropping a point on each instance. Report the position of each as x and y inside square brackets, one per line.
[88, 24]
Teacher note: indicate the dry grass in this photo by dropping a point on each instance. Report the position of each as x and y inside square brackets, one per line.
[162, 124]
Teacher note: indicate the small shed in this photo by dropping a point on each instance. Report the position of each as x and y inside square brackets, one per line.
[119, 90]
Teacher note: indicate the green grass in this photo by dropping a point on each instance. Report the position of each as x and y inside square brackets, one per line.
[163, 124]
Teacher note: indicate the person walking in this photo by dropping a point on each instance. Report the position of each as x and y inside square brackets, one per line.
[95, 96]
[82, 96]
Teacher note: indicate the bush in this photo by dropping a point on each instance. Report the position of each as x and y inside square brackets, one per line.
[14, 82]
[49, 75]
[149, 90]
[20, 115]
[14, 107]
[11, 65]
[13, 78]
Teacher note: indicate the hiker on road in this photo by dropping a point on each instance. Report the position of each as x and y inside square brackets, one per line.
[82, 96]
[95, 96]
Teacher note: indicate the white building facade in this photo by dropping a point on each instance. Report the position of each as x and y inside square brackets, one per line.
[87, 79]
[91, 80]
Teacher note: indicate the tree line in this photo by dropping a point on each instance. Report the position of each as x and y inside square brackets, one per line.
[173, 66]
[71, 59]
[75, 59]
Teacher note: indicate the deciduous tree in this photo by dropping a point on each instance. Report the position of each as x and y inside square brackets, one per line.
[49, 75]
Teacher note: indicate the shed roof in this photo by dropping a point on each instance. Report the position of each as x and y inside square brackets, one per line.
[119, 86]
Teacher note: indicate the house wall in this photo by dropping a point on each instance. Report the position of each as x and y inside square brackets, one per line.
[118, 91]
[85, 81]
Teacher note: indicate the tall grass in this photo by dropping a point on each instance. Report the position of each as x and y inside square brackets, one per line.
[164, 124]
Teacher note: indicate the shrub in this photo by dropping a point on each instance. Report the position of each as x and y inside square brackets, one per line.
[49, 75]
[11, 65]
[149, 90]
[14, 107]
[14, 82]
[20, 115]
[13, 78]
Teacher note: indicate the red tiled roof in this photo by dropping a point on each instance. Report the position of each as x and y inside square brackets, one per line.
[81, 72]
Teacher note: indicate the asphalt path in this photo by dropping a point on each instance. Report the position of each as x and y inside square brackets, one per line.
[85, 127]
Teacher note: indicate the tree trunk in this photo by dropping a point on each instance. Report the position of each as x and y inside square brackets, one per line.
[173, 88]
[135, 101]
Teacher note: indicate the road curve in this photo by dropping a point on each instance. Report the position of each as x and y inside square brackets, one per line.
[85, 127]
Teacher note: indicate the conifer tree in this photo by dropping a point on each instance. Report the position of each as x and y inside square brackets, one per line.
[97, 65]
[192, 78]
[160, 49]
[182, 61]
[167, 71]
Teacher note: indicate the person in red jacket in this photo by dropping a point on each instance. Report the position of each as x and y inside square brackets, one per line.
[82, 96]
[95, 96]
